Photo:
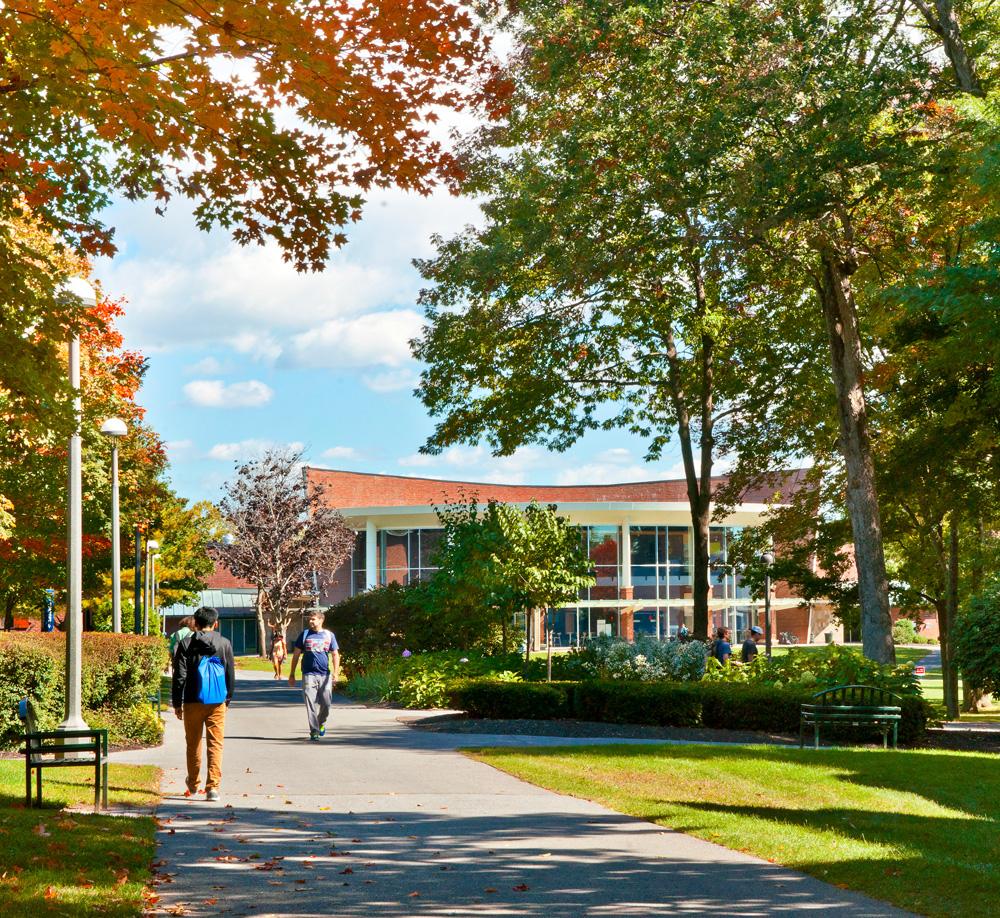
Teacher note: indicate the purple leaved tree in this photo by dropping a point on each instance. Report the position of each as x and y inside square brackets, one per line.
[285, 540]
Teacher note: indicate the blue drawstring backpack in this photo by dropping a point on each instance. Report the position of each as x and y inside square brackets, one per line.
[211, 681]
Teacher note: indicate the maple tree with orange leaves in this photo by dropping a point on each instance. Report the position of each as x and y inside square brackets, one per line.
[273, 117]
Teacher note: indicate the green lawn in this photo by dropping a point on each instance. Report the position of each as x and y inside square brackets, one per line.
[260, 665]
[920, 829]
[59, 863]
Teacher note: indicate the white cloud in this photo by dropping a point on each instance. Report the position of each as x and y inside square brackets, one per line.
[178, 446]
[189, 288]
[208, 366]
[374, 339]
[248, 449]
[214, 393]
[391, 380]
[475, 463]
[341, 452]
[615, 466]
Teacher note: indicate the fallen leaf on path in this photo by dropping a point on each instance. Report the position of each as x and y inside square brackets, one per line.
[413, 895]
[51, 892]
[209, 901]
[347, 870]
[521, 887]
[489, 889]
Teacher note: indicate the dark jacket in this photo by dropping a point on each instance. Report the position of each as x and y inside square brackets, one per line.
[184, 685]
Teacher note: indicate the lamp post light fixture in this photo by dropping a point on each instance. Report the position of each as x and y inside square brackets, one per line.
[115, 428]
[767, 559]
[82, 291]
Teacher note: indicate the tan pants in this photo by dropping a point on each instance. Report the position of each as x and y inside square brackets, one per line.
[209, 719]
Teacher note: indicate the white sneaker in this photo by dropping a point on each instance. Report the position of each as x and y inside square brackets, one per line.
[213, 794]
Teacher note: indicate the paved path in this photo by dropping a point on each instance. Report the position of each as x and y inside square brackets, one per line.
[383, 820]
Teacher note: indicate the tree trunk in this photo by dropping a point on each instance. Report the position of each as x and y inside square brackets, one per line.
[698, 477]
[8, 612]
[950, 673]
[973, 698]
[840, 312]
[261, 626]
[943, 21]
[527, 636]
[503, 634]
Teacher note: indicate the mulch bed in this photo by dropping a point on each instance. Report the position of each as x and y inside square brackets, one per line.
[459, 723]
[963, 741]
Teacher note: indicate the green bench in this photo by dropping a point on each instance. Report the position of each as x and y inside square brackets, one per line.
[853, 706]
[63, 749]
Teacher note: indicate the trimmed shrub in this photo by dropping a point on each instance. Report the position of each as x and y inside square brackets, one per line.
[977, 640]
[512, 700]
[119, 673]
[662, 704]
[751, 707]
[707, 704]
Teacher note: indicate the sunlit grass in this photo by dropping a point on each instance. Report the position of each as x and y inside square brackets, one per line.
[60, 863]
[918, 828]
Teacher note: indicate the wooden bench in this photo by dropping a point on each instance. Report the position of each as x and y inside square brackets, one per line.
[63, 749]
[854, 706]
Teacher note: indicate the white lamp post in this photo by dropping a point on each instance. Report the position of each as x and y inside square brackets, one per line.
[151, 546]
[115, 428]
[83, 291]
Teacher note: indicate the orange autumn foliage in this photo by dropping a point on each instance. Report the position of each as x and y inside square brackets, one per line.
[272, 117]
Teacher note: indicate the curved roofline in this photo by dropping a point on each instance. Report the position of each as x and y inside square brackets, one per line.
[494, 484]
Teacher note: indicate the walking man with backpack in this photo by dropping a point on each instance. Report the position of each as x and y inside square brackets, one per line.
[202, 687]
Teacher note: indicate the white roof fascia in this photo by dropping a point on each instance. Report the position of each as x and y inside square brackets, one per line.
[637, 513]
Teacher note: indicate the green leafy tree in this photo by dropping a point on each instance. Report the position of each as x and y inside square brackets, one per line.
[977, 646]
[599, 292]
[498, 561]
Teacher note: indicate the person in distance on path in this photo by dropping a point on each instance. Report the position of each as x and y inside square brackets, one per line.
[203, 712]
[318, 648]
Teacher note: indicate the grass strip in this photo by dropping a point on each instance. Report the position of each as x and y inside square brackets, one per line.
[75, 864]
[920, 829]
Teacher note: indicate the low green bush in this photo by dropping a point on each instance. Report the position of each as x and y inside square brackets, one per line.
[717, 705]
[662, 704]
[752, 707]
[119, 673]
[512, 700]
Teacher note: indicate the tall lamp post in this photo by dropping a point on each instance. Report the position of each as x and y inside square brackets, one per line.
[151, 546]
[78, 289]
[115, 428]
[767, 559]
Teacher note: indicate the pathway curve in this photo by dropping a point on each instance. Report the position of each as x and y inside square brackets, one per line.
[383, 820]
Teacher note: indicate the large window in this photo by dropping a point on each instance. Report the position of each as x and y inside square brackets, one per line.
[661, 562]
[406, 555]
[601, 545]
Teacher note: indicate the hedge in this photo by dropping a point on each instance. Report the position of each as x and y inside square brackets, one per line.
[513, 700]
[661, 704]
[691, 704]
[119, 673]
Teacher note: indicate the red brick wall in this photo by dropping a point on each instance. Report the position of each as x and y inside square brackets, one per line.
[344, 490]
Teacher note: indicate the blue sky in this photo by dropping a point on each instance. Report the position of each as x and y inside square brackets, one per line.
[245, 352]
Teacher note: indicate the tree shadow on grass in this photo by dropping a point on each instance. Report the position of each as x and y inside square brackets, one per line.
[960, 781]
[932, 864]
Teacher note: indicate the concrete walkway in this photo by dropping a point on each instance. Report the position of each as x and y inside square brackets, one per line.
[383, 820]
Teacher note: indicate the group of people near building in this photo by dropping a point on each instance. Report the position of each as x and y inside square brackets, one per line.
[721, 647]
[204, 678]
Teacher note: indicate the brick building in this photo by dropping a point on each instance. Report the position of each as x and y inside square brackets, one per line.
[638, 536]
